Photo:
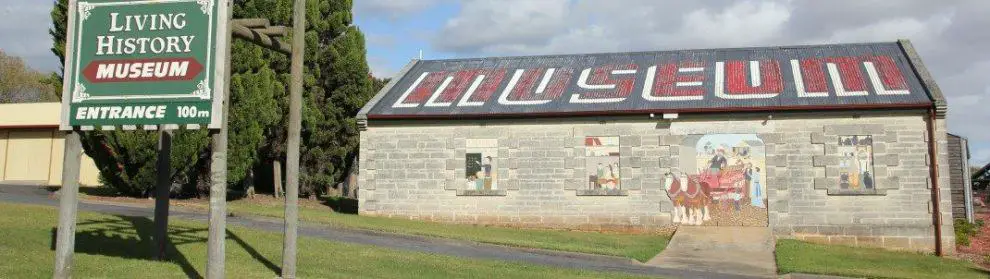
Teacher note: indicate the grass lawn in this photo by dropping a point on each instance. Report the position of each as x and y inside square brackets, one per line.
[641, 247]
[117, 247]
[803, 257]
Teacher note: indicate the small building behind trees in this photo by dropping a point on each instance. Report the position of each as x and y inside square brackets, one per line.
[32, 147]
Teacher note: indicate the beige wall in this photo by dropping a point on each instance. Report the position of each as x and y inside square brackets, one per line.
[28, 155]
[31, 147]
[3, 152]
[30, 114]
[36, 156]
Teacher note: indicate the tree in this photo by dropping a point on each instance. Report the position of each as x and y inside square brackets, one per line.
[21, 84]
[337, 85]
[379, 83]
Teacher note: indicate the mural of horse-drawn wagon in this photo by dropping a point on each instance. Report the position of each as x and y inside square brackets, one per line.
[726, 187]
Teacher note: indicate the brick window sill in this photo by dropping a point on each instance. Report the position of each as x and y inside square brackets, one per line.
[481, 192]
[847, 192]
[602, 192]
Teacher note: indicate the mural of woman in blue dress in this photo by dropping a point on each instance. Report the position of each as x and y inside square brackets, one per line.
[756, 191]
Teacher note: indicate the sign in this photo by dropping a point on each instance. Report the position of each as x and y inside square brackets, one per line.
[877, 75]
[144, 64]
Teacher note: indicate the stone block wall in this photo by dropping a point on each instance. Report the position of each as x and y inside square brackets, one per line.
[415, 170]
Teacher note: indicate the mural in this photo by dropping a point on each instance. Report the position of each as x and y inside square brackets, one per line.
[856, 162]
[480, 165]
[724, 184]
[602, 157]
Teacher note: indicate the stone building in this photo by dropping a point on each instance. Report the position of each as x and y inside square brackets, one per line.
[828, 143]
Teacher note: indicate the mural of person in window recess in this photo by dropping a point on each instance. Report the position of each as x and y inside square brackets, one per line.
[856, 162]
[480, 171]
[487, 166]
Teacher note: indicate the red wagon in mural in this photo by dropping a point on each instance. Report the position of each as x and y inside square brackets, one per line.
[727, 181]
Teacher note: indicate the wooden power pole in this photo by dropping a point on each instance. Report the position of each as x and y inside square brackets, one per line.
[163, 187]
[292, 145]
[215, 254]
[68, 194]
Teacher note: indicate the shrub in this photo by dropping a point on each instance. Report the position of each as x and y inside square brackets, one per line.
[965, 229]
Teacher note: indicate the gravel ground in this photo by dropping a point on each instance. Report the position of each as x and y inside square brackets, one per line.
[725, 214]
[978, 250]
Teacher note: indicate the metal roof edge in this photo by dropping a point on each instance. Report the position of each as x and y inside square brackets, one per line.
[31, 126]
[927, 81]
[924, 105]
[664, 50]
[362, 116]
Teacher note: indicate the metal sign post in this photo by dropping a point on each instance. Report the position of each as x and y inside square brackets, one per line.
[140, 64]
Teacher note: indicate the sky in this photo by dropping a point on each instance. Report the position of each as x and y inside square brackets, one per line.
[950, 35]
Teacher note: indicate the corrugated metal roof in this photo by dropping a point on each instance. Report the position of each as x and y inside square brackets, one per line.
[874, 75]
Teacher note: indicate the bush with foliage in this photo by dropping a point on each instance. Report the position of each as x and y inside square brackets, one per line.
[964, 230]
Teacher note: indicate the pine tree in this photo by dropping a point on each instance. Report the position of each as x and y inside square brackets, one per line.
[337, 85]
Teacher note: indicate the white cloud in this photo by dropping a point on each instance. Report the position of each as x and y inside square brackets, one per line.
[391, 8]
[380, 67]
[745, 23]
[920, 31]
[503, 24]
[979, 157]
[24, 29]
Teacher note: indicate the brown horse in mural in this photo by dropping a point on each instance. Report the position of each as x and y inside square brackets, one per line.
[690, 197]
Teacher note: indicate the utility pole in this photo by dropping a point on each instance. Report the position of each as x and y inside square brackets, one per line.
[215, 255]
[163, 186]
[66, 238]
[292, 149]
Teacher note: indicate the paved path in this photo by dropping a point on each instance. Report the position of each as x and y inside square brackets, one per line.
[467, 249]
[738, 250]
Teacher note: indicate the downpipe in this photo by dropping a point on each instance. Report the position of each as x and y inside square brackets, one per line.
[933, 174]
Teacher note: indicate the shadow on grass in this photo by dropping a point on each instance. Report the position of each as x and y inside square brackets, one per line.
[341, 204]
[132, 238]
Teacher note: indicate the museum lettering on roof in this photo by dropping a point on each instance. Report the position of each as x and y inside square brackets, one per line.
[829, 143]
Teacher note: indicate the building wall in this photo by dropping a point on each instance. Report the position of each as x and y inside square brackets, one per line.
[35, 156]
[957, 168]
[33, 130]
[3, 153]
[416, 170]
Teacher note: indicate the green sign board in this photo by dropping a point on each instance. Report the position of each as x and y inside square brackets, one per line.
[144, 64]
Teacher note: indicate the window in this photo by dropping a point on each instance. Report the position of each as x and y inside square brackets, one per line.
[602, 157]
[856, 163]
[481, 165]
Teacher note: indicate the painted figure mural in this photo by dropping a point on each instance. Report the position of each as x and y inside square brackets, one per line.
[602, 157]
[721, 181]
[856, 162]
[481, 165]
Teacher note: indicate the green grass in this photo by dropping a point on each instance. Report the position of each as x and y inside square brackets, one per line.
[641, 247]
[803, 257]
[110, 246]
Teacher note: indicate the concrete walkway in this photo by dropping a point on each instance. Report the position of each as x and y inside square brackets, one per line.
[737, 250]
[458, 248]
